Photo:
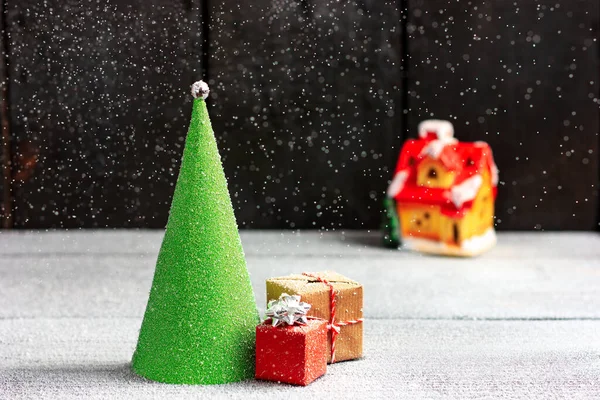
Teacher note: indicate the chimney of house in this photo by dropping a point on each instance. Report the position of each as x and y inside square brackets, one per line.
[432, 129]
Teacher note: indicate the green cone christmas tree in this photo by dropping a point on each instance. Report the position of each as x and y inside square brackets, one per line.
[199, 326]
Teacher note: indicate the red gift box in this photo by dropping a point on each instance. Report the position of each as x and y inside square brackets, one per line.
[294, 354]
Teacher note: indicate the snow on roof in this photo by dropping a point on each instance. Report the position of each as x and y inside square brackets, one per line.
[397, 183]
[495, 173]
[465, 191]
[434, 148]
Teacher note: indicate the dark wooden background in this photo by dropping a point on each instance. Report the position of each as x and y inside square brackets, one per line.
[310, 102]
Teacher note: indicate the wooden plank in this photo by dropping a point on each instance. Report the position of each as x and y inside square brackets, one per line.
[5, 132]
[307, 108]
[523, 246]
[67, 286]
[99, 93]
[103, 274]
[523, 76]
[90, 358]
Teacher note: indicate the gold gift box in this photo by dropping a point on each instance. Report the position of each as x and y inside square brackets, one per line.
[348, 312]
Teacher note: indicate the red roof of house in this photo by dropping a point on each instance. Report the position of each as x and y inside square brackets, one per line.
[466, 160]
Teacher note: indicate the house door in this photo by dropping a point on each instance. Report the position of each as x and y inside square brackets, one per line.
[455, 233]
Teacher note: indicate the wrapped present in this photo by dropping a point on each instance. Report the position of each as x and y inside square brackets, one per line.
[289, 347]
[334, 298]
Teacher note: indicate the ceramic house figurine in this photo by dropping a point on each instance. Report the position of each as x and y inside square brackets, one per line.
[443, 192]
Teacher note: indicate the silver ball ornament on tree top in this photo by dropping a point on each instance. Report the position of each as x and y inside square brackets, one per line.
[200, 89]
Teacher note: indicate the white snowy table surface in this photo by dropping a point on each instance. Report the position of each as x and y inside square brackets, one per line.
[522, 321]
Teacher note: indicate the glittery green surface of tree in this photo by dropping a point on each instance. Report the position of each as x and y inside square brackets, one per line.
[199, 325]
